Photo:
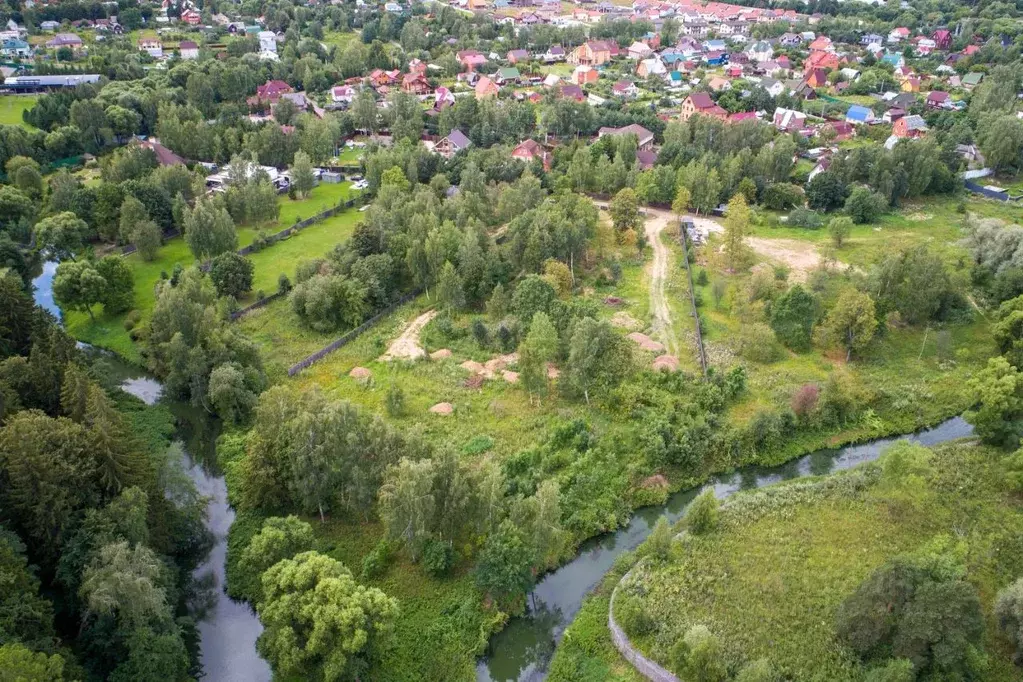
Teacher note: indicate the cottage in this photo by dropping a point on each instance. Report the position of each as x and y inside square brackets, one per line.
[646, 158]
[644, 138]
[817, 78]
[624, 89]
[585, 74]
[639, 50]
[191, 17]
[188, 50]
[701, 103]
[787, 120]
[164, 156]
[651, 67]
[772, 86]
[508, 74]
[555, 53]
[937, 99]
[471, 59]
[972, 80]
[486, 88]
[531, 149]
[859, 115]
[416, 83]
[15, 47]
[516, 56]
[574, 92]
[897, 35]
[65, 40]
[455, 142]
[912, 126]
[343, 93]
[942, 39]
[591, 53]
[152, 46]
[760, 51]
[719, 84]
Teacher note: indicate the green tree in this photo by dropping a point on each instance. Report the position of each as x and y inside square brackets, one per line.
[864, 206]
[318, 621]
[119, 294]
[759, 670]
[365, 113]
[209, 230]
[63, 235]
[826, 192]
[702, 514]
[408, 504]
[302, 178]
[698, 656]
[793, 316]
[624, 210]
[997, 413]
[851, 322]
[1001, 141]
[329, 302]
[230, 392]
[79, 286]
[231, 274]
[505, 566]
[737, 223]
[533, 294]
[839, 228]
[18, 663]
[24, 614]
[1009, 613]
[124, 581]
[450, 293]
[278, 539]
[539, 347]
[598, 358]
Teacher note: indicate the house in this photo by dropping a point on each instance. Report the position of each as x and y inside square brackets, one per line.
[639, 50]
[937, 99]
[591, 53]
[822, 44]
[760, 51]
[508, 74]
[531, 149]
[646, 158]
[486, 88]
[343, 93]
[942, 39]
[574, 92]
[49, 25]
[719, 84]
[651, 67]
[972, 80]
[516, 56]
[455, 142]
[624, 89]
[555, 53]
[818, 78]
[790, 40]
[897, 35]
[416, 83]
[715, 58]
[153, 46]
[164, 156]
[442, 99]
[740, 116]
[871, 39]
[15, 47]
[772, 86]
[892, 115]
[644, 138]
[585, 74]
[787, 120]
[65, 40]
[858, 115]
[271, 91]
[191, 17]
[822, 60]
[471, 59]
[903, 100]
[188, 49]
[911, 126]
[417, 65]
[701, 103]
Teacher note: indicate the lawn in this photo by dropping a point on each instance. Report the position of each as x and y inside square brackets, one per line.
[769, 580]
[107, 331]
[11, 107]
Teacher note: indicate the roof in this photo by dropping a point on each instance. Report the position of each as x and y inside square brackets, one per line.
[639, 131]
[457, 138]
[187, 45]
[973, 78]
[858, 113]
[164, 156]
[914, 122]
[701, 100]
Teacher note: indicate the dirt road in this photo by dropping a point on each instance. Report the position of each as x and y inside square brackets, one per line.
[406, 346]
[655, 224]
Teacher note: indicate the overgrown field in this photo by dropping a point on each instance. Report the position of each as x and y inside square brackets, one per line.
[769, 580]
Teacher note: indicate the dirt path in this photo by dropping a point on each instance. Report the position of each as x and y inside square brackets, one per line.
[656, 222]
[406, 346]
[800, 257]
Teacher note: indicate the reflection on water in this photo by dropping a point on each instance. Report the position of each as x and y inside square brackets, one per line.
[523, 649]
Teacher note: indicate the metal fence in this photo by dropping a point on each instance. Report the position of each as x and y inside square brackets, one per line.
[350, 336]
[989, 193]
[266, 300]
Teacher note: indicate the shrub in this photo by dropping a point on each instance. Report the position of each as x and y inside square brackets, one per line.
[865, 206]
[781, 196]
[805, 218]
[701, 277]
[480, 333]
[698, 656]
[283, 284]
[702, 515]
[438, 557]
[804, 400]
[376, 562]
[1009, 612]
[760, 670]
[394, 402]
[231, 274]
[632, 616]
[756, 343]
[132, 319]
[478, 445]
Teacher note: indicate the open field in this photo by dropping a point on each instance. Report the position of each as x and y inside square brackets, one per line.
[821, 539]
[11, 107]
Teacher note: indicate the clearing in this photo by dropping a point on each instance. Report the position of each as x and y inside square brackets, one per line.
[656, 222]
[799, 257]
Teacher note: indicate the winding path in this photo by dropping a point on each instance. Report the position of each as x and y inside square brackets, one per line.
[406, 346]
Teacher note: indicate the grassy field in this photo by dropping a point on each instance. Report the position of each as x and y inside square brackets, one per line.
[11, 107]
[107, 331]
[768, 582]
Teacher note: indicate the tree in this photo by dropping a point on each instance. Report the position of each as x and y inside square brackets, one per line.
[1009, 613]
[450, 293]
[20, 663]
[1001, 141]
[913, 282]
[28, 180]
[1008, 330]
[532, 295]
[505, 566]
[826, 191]
[364, 111]
[864, 205]
[125, 582]
[839, 228]
[698, 656]
[302, 178]
[680, 204]
[119, 294]
[278, 539]
[539, 347]
[997, 412]
[624, 210]
[63, 235]
[598, 358]
[329, 302]
[231, 274]
[24, 614]
[79, 286]
[14, 208]
[737, 221]
[759, 670]
[408, 505]
[230, 393]
[793, 316]
[209, 230]
[319, 621]
[851, 322]
[702, 514]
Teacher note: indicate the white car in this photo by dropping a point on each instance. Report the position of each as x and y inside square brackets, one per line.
[361, 184]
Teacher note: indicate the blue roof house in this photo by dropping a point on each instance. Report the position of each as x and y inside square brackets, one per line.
[858, 115]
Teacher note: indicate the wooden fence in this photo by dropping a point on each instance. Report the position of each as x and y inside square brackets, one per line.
[350, 336]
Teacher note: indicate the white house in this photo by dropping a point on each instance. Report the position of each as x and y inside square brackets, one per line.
[151, 45]
[267, 41]
[639, 50]
[343, 93]
[188, 49]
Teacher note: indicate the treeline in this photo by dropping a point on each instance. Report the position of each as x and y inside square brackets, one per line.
[99, 529]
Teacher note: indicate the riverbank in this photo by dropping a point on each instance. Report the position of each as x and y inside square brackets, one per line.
[821, 539]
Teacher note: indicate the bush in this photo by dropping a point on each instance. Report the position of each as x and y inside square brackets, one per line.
[394, 402]
[758, 671]
[1009, 612]
[132, 319]
[231, 274]
[698, 656]
[283, 284]
[865, 206]
[376, 562]
[478, 445]
[438, 557]
[701, 277]
[805, 218]
[480, 333]
[702, 515]
[804, 400]
[756, 343]
[632, 616]
[781, 196]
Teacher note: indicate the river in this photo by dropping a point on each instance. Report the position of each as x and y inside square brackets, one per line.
[228, 629]
[522, 651]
